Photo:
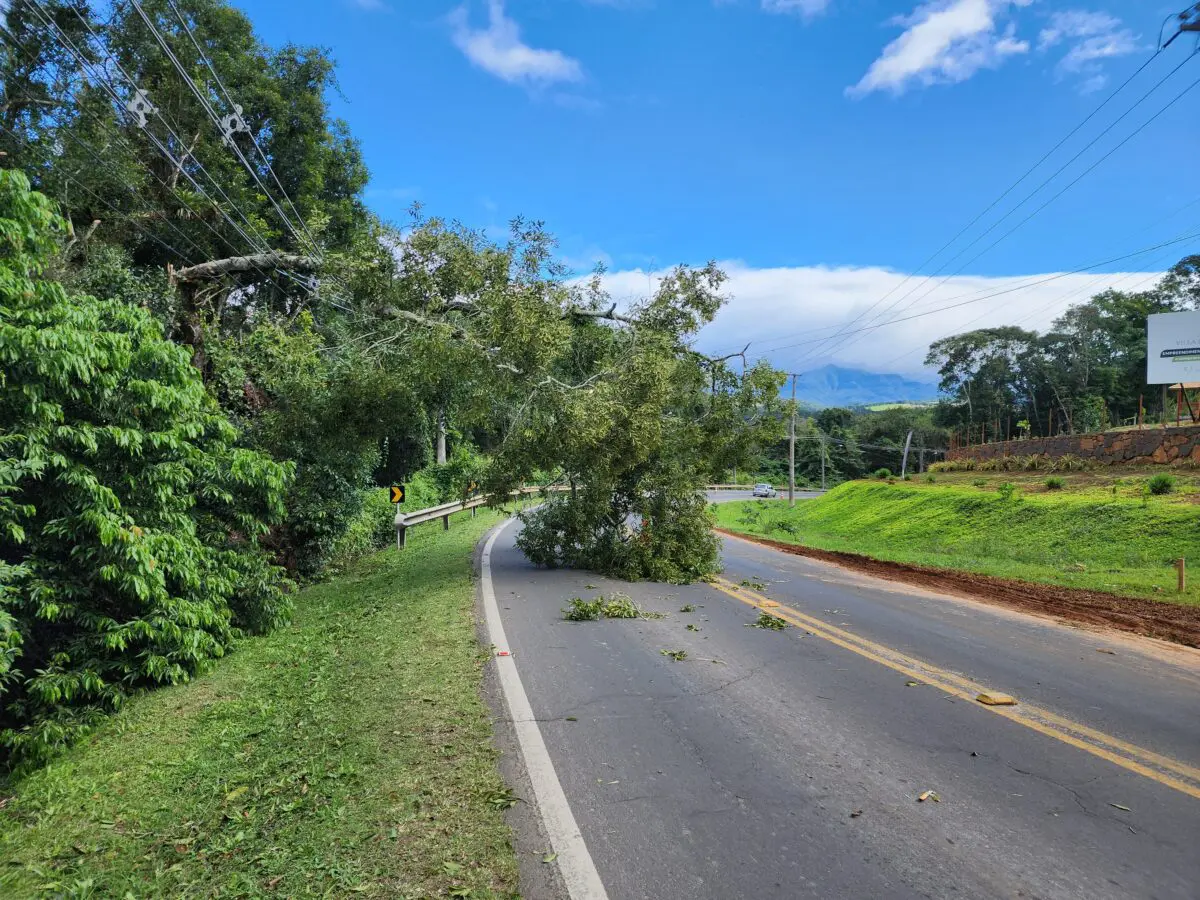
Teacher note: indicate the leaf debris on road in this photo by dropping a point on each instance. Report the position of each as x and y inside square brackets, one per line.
[769, 622]
[929, 795]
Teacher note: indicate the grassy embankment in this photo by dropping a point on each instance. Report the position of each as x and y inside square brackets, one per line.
[347, 755]
[1098, 532]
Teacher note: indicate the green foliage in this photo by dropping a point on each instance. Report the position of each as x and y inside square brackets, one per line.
[676, 655]
[372, 529]
[639, 424]
[130, 521]
[980, 482]
[308, 764]
[1162, 483]
[768, 622]
[1007, 490]
[1055, 483]
[618, 606]
[580, 610]
[1083, 375]
[882, 473]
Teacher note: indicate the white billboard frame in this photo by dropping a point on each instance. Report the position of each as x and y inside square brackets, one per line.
[1173, 348]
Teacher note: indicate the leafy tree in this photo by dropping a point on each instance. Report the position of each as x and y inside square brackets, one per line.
[638, 422]
[129, 519]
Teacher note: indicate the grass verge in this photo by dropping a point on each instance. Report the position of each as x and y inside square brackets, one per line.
[1094, 541]
[347, 755]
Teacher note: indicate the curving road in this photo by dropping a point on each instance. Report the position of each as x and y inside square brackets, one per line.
[790, 763]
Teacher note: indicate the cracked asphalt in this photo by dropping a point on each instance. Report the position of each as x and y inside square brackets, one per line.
[780, 764]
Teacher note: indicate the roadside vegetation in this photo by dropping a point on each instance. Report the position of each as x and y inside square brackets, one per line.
[1097, 532]
[347, 754]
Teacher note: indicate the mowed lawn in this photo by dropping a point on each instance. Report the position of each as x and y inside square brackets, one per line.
[347, 755]
[1094, 540]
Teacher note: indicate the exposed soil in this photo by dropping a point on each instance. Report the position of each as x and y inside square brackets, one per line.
[1167, 621]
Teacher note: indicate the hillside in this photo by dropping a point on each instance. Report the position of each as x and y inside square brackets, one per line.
[1089, 537]
[838, 386]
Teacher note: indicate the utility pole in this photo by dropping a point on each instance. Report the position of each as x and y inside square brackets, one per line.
[792, 450]
[441, 437]
[904, 461]
[822, 434]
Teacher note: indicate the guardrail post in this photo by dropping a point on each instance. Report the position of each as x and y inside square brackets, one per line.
[446, 522]
[474, 509]
[401, 537]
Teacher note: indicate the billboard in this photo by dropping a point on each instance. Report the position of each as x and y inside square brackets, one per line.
[1173, 348]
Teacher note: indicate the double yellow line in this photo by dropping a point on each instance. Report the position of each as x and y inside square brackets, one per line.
[1163, 769]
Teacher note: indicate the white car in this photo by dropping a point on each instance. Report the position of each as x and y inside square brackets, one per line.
[764, 490]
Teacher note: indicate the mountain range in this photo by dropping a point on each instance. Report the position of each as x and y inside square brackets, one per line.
[837, 386]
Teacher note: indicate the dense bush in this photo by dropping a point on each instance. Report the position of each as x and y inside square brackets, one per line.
[669, 538]
[129, 520]
[881, 474]
[1162, 483]
[1055, 483]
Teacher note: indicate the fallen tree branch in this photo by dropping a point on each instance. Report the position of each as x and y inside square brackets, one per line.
[610, 313]
[218, 268]
[714, 360]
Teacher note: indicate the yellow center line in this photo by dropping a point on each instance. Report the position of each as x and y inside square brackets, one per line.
[1170, 772]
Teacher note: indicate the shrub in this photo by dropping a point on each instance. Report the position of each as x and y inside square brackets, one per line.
[1071, 463]
[931, 478]
[1007, 490]
[1162, 483]
[907, 477]
[980, 482]
[673, 541]
[372, 529]
[130, 520]
[944, 466]
[883, 473]
[1055, 483]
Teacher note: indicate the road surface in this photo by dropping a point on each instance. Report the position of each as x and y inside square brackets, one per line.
[790, 763]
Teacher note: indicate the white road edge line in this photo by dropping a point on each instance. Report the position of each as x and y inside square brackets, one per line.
[574, 862]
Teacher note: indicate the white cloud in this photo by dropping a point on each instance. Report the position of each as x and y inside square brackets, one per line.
[370, 5]
[778, 307]
[499, 50]
[795, 7]
[1089, 37]
[945, 41]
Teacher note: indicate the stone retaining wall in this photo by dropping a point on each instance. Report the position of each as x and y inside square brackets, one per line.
[1149, 445]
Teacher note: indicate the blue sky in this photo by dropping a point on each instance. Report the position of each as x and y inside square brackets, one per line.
[822, 149]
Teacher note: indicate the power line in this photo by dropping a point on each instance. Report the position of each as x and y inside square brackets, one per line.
[1013, 186]
[65, 131]
[207, 107]
[1071, 184]
[229, 99]
[261, 245]
[1021, 287]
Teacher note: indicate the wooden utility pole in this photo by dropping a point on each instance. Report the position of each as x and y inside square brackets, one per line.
[792, 449]
[904, 461]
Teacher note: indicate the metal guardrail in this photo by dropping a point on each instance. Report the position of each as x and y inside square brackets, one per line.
[405, 521]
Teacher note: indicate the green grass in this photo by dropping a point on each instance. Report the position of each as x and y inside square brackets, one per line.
[347, 755]
[1089, 539]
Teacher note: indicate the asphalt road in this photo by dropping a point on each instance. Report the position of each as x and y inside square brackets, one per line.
[789, 763]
